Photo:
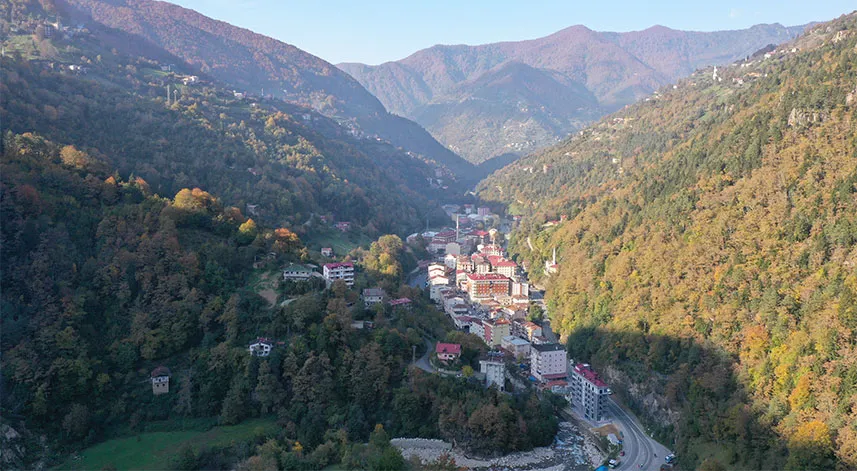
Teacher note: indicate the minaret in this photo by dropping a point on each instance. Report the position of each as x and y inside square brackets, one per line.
[554, 255]
[456, 227]
[714, 76]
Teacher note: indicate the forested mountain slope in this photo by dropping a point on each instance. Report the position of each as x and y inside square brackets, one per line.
[709, 255]
[450, 88]
[290, 164]
[251, 63]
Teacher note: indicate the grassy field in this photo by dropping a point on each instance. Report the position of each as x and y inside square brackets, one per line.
[339, 242]
[155, 450]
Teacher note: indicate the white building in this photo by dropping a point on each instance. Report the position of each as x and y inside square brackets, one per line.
[450, 260]
[477, 329]
[520, 289]
[588, 392]
[494, 369]
[339, 271]
[548, 362]
[436, 269]
[160, 380]
[296, 272]
[261, 348]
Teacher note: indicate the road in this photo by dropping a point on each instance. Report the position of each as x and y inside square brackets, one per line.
[417, 278]
[423, 362]
[639, 447]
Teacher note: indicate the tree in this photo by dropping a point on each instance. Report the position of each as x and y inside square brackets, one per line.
[535, 313]
[810, 447]
[74, 158]
[268, 388]
[234, 405]
[247, 231]
[76, 422]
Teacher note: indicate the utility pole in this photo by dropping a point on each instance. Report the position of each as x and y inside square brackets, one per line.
[168, 94]
[414, 355]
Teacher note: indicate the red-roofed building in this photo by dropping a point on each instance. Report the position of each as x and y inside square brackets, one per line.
[492, 249]
[487, 285]
[588, 392]
[339, 271]
[447, 351]
[343, 226]
[401, 302]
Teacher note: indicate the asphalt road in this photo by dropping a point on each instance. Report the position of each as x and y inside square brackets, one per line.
[423, 361]
[639, 448]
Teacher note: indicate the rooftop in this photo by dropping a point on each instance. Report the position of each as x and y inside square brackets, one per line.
[517, 341]
[548, 347]
[400, 301]
[333, 266]
[374, 292]
[160, 371]
[297, 268]
[485, 276]
[448, 348]
[583, 369]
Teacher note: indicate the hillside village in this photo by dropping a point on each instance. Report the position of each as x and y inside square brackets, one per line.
[470, 278]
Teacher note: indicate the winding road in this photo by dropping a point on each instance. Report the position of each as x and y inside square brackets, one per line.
[423, 361]
[639, 448]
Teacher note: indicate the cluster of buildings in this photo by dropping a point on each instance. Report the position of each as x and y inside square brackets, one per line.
[488, 295]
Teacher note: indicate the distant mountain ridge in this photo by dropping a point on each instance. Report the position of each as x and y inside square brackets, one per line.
[255, 63]
[448, 89]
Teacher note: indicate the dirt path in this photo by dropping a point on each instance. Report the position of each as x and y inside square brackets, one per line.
[267, 288]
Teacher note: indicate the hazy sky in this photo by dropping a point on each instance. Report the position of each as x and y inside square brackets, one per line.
[375, 31]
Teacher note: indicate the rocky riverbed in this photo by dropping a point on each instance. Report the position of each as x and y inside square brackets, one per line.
[569, 452]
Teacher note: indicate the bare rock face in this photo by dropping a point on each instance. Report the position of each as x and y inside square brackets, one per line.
[851, 98]
[11, 448]
[803, 118]
[648, 395]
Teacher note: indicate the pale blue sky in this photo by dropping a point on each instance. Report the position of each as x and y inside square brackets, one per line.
[375, 31]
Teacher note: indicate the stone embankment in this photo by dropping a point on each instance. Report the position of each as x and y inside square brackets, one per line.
[570, 452]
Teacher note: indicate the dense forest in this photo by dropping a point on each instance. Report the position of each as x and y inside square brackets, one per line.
[707, 254]
[257, 155]
[104, 281]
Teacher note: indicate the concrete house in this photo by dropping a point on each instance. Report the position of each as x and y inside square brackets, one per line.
[373, 296]
[261, 347]
[296, 272]
[160, 380]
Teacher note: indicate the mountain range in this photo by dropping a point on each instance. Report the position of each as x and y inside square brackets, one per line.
[252, 63]
[511, 98]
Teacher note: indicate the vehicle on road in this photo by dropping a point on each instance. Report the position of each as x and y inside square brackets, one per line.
[622, 453]
[612, 464]
[670, 458]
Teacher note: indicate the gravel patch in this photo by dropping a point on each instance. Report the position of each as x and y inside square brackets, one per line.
[569, 452]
